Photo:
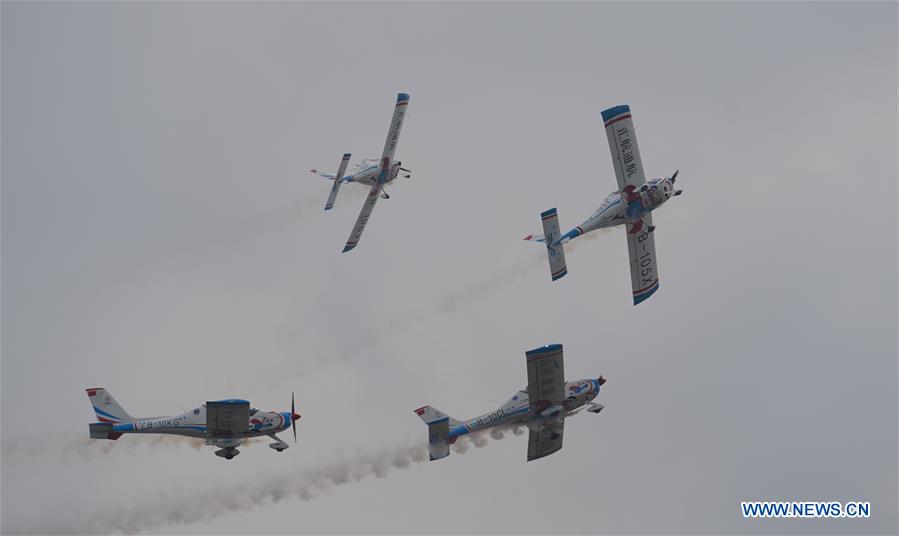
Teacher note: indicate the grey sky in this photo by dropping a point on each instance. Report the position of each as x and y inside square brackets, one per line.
[161, 238]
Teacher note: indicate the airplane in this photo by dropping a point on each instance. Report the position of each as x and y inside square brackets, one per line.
[542, 407]
[631, 205]
[371, 172]
[223, 423]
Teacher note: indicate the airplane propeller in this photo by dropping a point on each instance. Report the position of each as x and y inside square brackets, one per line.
[293, 417]
[676, 171]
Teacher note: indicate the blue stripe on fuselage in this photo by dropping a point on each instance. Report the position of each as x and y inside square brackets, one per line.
[465, 428]
[570, 234]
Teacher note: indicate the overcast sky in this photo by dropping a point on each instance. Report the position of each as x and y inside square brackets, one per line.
[161, 237]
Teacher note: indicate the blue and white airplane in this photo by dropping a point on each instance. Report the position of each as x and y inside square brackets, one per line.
[223, 423]
[371, 172]
[542, 407]
[631, 205]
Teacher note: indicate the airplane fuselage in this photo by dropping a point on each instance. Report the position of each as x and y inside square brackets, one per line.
[518, 411]
[369, 173]
[617, 209]
[193, 424]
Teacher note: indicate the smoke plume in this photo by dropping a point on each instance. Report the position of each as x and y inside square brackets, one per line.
[197, 506]
[85, 448]
[493, 282]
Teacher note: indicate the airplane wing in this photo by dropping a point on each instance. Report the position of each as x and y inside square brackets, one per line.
[641, 248]
[227, 418]
[393, 133]
[546, 441]
[362, 220]
[546, 377]
[629, 172]
[623, 144]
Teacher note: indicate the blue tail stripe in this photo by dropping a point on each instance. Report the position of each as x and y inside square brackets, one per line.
[109, 415]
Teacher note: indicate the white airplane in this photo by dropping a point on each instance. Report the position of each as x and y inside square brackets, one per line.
[223, 423]
[542, 407]
[631, 205]
[371, 172]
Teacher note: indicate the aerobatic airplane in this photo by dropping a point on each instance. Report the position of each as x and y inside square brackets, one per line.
[223, 423]
[542, 407]
[631, 205]
[371, 172]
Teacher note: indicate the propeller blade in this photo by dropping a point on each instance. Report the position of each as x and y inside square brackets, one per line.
[676, 171]
[293, 420]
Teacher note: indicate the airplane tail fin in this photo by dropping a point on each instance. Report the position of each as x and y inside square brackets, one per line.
[337, 180]
[107, 409]
[438, 430]
[554, 247]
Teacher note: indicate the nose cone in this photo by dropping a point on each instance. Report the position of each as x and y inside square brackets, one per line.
[296, 416]
[601, 380]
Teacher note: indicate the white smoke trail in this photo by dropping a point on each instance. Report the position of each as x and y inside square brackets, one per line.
[494, 282]
[480, 439]
[89, 449]
[197, 506]
[171, 510]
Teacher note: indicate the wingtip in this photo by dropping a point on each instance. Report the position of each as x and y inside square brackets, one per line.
[643, 297]
[402, 97]
[529, 237]
[348, 248]
[549, 348]
[615, 111]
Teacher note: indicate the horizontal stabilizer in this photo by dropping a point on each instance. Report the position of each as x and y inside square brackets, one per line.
[438, 431]
[103, 430]
[554, 249]
[535, 238]
[337, 180]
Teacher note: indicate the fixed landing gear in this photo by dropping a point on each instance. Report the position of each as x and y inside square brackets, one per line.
[279, 446]
[595, 408]
[227, 453]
